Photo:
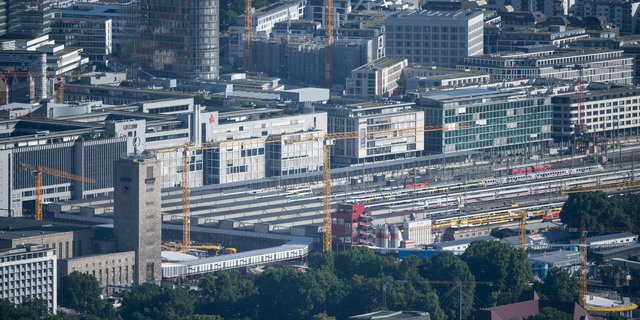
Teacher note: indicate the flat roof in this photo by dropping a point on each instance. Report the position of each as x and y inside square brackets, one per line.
[556, 256]
[383, 62]
[462, 241]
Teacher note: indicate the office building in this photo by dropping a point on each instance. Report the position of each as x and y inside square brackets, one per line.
[377, 78]
[29, 272]
[27, 18]
[316, 11]
[118, 13]
[70, 147]
[623, 14]
[608, 112]
[435, 37]
[369, 118]
[136, 223]
[254, 144]
[114, 271]
[497, 39]
[94, 36]
[67, 242]
[599, 65]
[549, 8]
[486, 120]
[178, 39]
[422, 77]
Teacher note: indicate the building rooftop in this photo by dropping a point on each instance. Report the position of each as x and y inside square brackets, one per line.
[436, 15]
[384, 62]
[612, 236]
[460, 242]
[555, 257]
[385, 314]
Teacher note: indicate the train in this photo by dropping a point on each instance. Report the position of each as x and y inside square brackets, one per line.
[530, 169]
[426, 189]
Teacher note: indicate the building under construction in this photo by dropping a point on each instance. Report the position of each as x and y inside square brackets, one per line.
[303, 60]
[177, 39]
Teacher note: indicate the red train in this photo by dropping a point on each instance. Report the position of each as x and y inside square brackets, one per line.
[417, 185]
[531, 169]
[551, 214]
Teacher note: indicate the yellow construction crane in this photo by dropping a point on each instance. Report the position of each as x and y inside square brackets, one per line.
[329, 50]
[248, 34]
[328, 140]
[39, 171]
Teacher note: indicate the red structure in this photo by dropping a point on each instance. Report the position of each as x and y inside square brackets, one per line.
[352, 225]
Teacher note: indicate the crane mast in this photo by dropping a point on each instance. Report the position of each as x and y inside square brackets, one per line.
[248, 33]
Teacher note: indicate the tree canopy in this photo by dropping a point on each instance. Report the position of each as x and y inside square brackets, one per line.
[81, 292]
[501, 264]
[601, 213]
[558, 286]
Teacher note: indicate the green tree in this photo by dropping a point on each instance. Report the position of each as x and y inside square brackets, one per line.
[600, 212]
[285, 293]
[81, 292]
[141, 302]
[559, 286]
[363, 261]
[548, 313]
[451, 269]
[505, 267]
[227, 295]
[322, 316]
[175, 304]
[204, 317]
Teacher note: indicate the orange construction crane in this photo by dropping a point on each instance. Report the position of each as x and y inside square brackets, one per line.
[327, 139]
[329, 51]
[248, 34]
[39, 171]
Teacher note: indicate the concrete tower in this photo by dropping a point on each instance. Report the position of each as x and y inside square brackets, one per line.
[137, 221]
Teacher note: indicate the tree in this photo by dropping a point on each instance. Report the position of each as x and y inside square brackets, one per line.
[449, 268]
[559, 286]
[204, 317]
[140, 302]
[600, 212]
[174, 304]
[322, 316]
[285, 293]
[548, 313]
[81, 292]
[363, 261]
[227, 295]
[497, 262]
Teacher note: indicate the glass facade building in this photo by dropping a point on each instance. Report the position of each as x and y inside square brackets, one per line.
[486, 120]
[26, 17]
[178, 39]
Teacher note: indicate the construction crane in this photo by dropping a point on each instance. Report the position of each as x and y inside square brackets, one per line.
[39, 171]
[523, 230]
[583, 263]
[248, 34]
[328, 69]
[328, 140]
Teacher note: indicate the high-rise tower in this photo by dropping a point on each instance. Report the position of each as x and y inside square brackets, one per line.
[137, 221]
[26, 18]
[178, 39]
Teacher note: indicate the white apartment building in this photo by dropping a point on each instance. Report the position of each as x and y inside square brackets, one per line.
[435, 37]
[598, 65]
[377, 78]
[29, 272]
[609, 112]
[254, 144]
[406, 141]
